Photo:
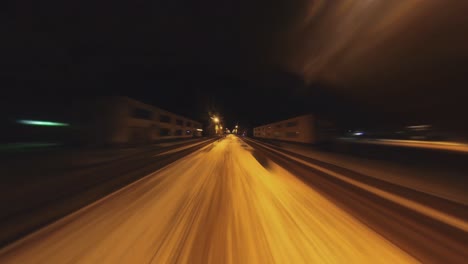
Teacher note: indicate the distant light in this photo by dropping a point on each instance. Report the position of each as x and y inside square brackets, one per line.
[358, 133]
[420, 127]
[199, 129]
[41, 123]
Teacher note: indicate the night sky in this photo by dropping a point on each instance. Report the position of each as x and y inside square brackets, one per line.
[359, 62]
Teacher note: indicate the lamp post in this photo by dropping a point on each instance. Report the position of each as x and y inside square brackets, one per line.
[217, 126]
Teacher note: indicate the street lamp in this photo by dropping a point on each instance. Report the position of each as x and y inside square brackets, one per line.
[216, 124]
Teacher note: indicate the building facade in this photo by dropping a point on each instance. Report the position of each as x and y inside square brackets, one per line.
[304, 129]
[121, 120]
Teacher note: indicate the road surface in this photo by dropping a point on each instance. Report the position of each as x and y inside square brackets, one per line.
[422, 144]
[216, 205]
[37, 190]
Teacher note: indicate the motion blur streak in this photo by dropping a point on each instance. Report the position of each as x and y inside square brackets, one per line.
[417, 207]
[352, 23]
[339, 40]
[218, 205]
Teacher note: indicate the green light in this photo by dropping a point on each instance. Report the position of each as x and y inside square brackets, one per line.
[41, 123]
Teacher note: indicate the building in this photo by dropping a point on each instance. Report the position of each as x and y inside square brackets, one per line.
[121, 120]
[305, 129]
[96, 121]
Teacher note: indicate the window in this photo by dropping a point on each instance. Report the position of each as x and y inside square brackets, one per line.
[164, 132]
[189, 124]
[141, 113]
[178, 132]
[179, 122]
[291, 124]
[165, 119]
[292, 134]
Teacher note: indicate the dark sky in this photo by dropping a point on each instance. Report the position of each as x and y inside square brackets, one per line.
[252, 61]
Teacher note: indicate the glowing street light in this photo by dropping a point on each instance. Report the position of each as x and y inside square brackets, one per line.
[216, 124]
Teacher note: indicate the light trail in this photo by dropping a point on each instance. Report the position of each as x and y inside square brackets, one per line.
[218, 205]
